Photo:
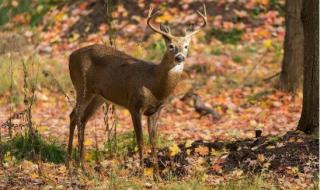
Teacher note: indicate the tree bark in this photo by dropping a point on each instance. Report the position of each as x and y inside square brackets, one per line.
[309, 120]
[292, 64]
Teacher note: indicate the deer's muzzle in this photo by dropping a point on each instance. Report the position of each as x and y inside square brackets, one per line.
[179, 58]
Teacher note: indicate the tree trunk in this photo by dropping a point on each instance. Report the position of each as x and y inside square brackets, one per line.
[309, 120]
[292, 64]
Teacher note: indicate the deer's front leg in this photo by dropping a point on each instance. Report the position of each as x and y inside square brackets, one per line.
[152, 129]
[136, 119]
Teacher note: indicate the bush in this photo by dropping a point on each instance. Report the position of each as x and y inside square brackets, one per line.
[231, 37]
[22, 147]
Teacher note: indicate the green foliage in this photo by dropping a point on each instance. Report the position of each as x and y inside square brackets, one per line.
[22, 147]
[231, 37]
[216, 51]
[156, 50]
[256, 11]
[34, 10]
[277, 5]
[278, 50]
[192, 185]
[121, 183]
[249, 183]
[251, 48]
[237, 59]
[274, 139]
[315, 182]
[126, 142]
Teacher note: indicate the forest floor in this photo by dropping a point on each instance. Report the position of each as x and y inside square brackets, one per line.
[232, 66]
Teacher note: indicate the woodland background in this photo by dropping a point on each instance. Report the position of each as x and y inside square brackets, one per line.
[245, 66]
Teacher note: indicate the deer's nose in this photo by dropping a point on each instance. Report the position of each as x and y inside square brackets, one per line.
[179, 58]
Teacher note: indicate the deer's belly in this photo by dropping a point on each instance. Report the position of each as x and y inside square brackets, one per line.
[150, 104]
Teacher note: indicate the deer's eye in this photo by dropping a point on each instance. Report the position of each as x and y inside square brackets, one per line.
[186, 47]
[171, 46]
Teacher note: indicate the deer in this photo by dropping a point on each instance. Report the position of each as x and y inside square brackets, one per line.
[102, 74]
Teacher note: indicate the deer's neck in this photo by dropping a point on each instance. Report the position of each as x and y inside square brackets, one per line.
[169, 76]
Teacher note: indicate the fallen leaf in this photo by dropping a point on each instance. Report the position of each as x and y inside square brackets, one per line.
[88, 156]
[216, 168]
[173, 149]
[188, 143]
[148, 172]
[87, 142]
[267, 43]
[34, 176]
[202, 150]
[237, 173]
[266, 165]
[261, 158]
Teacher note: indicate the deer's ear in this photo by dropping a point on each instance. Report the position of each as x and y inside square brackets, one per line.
[166, 29]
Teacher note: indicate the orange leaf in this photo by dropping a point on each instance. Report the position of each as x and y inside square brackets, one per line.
[202, 150]
[216, 168]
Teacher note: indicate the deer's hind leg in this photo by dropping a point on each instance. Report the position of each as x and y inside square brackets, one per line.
[88, 112]
[91, 108]
[79, 112]
[73, 123]
[75, 120]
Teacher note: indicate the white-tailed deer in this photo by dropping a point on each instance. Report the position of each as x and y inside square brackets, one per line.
[102, 74]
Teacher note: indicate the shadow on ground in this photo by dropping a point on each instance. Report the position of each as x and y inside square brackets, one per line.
[294, 151]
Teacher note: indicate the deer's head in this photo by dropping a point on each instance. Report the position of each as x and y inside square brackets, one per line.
[176, 47]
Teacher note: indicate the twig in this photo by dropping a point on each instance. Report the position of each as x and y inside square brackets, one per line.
[29, 101]
[254, 67]
[111, 117]
[11, 94]
[17, 115]
[110, 108]
[271, 77]
[47, 73]
[111, 31]
[97, 158]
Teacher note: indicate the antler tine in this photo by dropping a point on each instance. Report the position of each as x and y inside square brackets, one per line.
[152, 15]
[150, 12]
[203, 16]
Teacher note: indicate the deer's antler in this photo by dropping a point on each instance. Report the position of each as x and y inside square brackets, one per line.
[204, 17]
[152, 15]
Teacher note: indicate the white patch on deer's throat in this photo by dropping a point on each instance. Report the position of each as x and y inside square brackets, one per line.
[177, 69]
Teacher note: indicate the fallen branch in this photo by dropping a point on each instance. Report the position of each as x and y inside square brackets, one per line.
[271, 77]
[200, 107]
[47, 73]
